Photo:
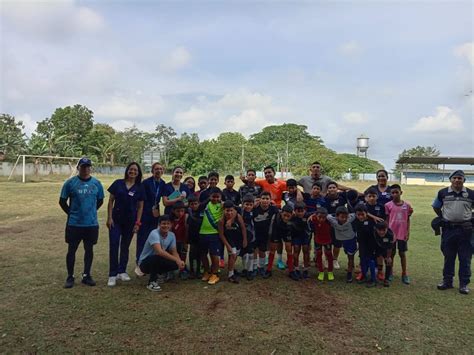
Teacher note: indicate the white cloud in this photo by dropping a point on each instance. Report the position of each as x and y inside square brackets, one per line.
[466, 50]
[194, 117]
[248, 120]
[445, 119]
[131, 106]
[29, 123]
[351, 48]
[355, 118]
[179, 58]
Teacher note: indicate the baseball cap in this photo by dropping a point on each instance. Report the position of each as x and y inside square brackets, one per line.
[84, 161]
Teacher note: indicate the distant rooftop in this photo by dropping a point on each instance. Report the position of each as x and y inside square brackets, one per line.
[436, 160]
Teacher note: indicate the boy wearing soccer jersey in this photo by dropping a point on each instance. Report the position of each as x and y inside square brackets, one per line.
[193, 223]
[398, 218]
[314, 200]
[376, 212]
[300, 239]
[248, 251]
[229, 193]
[322, 242]
[364, 228]
[384, 239]
[335, 199]
[250, 187]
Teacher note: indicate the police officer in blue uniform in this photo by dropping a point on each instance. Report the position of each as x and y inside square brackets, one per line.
[454, 205]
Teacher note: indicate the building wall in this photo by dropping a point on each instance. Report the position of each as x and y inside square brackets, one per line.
[422, 181]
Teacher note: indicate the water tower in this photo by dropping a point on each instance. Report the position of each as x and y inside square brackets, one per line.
[362, 146]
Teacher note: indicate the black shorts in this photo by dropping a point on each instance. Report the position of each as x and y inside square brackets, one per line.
[401, 245]
[261, 241]
[86, 234]
[279, 238]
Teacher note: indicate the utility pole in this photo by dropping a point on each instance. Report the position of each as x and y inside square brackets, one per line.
[242, 165]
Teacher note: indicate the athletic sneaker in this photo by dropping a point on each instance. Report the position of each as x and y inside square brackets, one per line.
[261, 271]
[123, 277]
[221, 263]
[321, 276]
[281, 265]
[330, 276]
[371, 284]
[233, 279]
[305, 274]
[386, 283]
[153, 286]
[243, 273]
[251, 275]
[112, 281]
[206, 277]
[294, 276]
[390, 278]
[69, 282]
[361, 278]
[336, 265]
[213, 279]
[298, 273]
[88, 280]
[349, 277]
[267, 274]
[380, 276]
[406, 279]
[139, 271]
[184, 275]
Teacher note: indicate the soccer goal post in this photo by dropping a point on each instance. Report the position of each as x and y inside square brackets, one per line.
[23, 157]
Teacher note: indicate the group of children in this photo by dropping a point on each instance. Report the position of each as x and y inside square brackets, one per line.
[248, 224]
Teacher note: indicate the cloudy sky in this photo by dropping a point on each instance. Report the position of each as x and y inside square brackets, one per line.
[399, 71]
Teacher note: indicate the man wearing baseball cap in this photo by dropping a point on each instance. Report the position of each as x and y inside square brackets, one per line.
[454, 204]
[81, 197]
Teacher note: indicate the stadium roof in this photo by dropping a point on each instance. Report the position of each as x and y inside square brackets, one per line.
[436, 160]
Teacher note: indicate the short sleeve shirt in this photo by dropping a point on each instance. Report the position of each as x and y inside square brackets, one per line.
[211, 217]
[275, 189]
[398, 216]
[83, 196]
[382, 196]
[312, 204]
[172, 193]
[455, 206]
[167, 243]
[307, 183]
[126, 200]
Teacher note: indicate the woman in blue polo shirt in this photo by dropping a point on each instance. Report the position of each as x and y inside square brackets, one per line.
[382, 187]
[175, 190]
[125, 210]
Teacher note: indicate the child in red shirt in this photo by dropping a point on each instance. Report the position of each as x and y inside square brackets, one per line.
[322, 241]
[178, 220]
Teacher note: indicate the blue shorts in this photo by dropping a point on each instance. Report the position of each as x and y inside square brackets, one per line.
[301, 240]
[210, 243]
[350, 246]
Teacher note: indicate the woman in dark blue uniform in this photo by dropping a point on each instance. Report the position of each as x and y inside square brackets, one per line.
[175, 190]
[383, 189]
[125, 210]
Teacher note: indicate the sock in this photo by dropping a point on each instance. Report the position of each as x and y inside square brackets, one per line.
[388, 271]
[330, 260]
[250, 262]
[261, 262]
[231, 273]
[280, 257]
[290, 263]
[372, 270]
[255, 261]
[271, 258]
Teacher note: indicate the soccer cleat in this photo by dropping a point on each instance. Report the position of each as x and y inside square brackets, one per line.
[294, 276]
[153, 286]
[243, 273]
[221, 263]
[298, 273]
[233, 279]
[349, 277]
[261, 271]
[321, 276]
[112, 281]
[123, 277]
[69, 282]
[281, 265]
[184, 275]
[251, 275]
[213, 279]
[88, 280]
[406, 279]
[267, 274]
[206, 277]
[305, 274]
[390, 278]
[330, 276]
[360, 278]
[370, 284]
[380, 276]
[139, 271]
[444, 285]
[386, 283]
[463, 289]
[336, 264]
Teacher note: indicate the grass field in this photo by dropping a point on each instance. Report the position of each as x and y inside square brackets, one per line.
[276, 315]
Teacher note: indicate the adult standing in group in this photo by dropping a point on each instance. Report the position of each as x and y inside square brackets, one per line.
[382, 187]
[175, 190]
[81, 197]
[316, 176]
[154, 186]
[454, 204]
[124, 219]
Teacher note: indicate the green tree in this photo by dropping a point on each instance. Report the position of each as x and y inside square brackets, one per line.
[418, 151]
[131, 143]
[164, 140]
[12, 138]
[101, 143]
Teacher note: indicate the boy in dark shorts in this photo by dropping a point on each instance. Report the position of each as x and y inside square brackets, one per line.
[248, 251]
[344, 233]
[300, 239]
[233, 235]
[384, 240]
[322, 242]
[364, 228]
[335, 199]
[280, 232]
[194, 222]
[262, 216]
[229, 193]
[178, 223]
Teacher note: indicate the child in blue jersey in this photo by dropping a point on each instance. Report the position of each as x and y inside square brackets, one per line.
[300, 240]
[314, 200]
[229, 193]
[81, 197]
[290, 197]
[335, 199]
[248, 252]
[233, 234]
[193, 223]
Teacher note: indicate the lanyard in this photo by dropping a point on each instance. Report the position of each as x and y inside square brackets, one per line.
[157, 191]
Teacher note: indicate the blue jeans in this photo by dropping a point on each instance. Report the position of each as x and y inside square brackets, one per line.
[120, 237]
[456, 241]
